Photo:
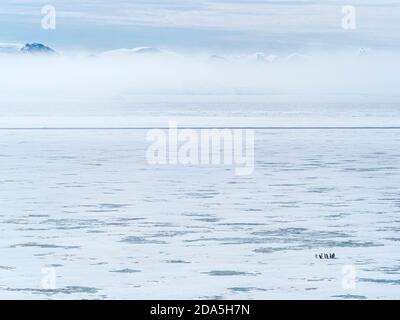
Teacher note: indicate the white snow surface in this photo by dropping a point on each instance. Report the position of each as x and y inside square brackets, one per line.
[88, 205]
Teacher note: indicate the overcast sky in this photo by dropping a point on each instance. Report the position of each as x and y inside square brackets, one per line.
[218, 25]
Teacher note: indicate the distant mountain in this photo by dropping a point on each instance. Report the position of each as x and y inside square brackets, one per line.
[135, 51]
[217, 57]
[296, 57]
[37, 48]
[140, 50]
[29, 48]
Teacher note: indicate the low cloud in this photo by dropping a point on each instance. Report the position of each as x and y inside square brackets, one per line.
[124, 76]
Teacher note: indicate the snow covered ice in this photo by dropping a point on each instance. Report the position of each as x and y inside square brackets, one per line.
[86, 203]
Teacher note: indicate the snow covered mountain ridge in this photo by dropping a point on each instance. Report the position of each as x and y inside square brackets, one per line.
[40, 49]
[31, 48]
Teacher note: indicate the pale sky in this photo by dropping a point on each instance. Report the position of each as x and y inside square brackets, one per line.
[218, 25]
